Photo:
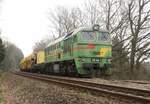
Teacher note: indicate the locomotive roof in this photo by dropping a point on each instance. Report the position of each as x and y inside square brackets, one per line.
[66, 36]
[56, 41]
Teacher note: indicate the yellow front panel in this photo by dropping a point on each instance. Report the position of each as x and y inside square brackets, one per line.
[103, 51]
[40, 57]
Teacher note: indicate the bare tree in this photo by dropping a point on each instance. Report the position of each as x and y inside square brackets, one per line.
[2, 51]
[41, 45]
[65, 20]
[110, 10]
[139, 15]
[93, 14]
[106, 13]
[114, 19]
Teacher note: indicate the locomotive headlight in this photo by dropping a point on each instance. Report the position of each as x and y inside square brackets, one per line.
[93, 59]
[97, 60]
[83, 59]
[109, 60]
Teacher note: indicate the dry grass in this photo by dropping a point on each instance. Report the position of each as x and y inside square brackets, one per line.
[1, 77]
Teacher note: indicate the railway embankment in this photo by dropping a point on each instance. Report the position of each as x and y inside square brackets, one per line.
[22, 90]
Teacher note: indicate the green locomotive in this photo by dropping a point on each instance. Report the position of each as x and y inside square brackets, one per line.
[84, 51]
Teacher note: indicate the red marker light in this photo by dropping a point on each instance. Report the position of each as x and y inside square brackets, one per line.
[91, 45]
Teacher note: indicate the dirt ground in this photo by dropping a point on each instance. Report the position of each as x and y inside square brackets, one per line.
[20, 90]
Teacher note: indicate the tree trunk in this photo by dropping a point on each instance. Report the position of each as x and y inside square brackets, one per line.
[132, 57]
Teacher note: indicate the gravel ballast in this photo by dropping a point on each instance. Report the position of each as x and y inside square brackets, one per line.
[21, 90]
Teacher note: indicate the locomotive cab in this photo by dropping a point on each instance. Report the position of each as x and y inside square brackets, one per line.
[92, 49]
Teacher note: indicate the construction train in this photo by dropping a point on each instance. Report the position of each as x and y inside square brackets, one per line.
[84, 52]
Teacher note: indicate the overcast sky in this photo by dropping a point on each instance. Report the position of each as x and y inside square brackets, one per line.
[24, 22]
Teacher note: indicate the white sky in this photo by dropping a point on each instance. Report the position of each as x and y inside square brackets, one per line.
[24, 22]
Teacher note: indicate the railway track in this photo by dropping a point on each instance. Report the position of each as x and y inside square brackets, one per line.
[138, 82]
[127, 94]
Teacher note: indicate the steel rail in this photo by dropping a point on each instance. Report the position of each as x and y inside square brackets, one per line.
[138, 82]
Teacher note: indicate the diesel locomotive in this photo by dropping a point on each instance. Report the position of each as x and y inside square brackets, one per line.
[84, 51]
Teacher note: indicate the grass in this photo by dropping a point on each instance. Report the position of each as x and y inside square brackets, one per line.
[2, 74]
[0, 88]
[1, 91]
[1, 96]
[84, 93]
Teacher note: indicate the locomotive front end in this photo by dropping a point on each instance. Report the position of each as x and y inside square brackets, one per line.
[94, 52]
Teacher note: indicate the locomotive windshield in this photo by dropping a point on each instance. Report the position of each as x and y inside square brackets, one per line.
[88, 36]
[95, 36]
[103, 36]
